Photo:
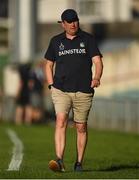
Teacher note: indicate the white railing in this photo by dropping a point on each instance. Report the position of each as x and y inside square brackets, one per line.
[115, 114]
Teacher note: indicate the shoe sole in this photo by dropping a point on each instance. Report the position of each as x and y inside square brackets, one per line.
[54, 166]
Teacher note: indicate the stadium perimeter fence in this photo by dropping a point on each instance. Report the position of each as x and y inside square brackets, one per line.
[115, 114]
[106, 113]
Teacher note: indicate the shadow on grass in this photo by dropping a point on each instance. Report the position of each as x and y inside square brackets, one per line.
[85, 170]
[109, 169]
[120, 167]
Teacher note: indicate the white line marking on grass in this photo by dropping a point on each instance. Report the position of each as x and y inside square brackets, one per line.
[17, 152]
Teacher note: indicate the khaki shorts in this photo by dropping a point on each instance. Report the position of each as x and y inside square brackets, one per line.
[79, 102]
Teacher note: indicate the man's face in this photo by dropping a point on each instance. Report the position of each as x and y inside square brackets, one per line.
[71, 28]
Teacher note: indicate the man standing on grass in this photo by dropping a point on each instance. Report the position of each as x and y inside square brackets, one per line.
[72, 86]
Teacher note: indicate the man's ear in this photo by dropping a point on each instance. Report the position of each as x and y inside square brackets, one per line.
[62, 24]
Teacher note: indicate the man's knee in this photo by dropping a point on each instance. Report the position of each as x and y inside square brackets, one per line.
[81, 127]
[61, 120]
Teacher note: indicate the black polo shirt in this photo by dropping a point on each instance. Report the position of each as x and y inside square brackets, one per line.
[73, 61]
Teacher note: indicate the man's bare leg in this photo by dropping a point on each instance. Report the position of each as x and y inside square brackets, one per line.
[60, 134]
[82, 136]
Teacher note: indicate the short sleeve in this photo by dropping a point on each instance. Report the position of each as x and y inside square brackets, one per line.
[93, 48]
[50, 53]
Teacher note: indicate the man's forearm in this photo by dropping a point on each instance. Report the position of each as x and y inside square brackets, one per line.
[98, 70]
[49, 73]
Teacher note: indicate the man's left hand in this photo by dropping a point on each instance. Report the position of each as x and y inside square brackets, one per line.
[95, 83]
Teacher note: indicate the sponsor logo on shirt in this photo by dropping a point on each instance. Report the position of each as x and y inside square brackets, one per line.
[63, 52]
[72, 51]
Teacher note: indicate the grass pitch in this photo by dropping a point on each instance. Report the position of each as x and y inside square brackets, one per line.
[108, 154]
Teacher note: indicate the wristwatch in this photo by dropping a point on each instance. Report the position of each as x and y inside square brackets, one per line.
[50, 86]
